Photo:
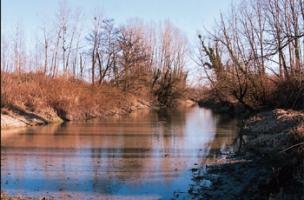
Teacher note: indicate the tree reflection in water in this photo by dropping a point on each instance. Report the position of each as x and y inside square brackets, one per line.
[141, 156]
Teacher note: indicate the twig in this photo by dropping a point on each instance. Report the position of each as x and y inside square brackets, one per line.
[295, 145]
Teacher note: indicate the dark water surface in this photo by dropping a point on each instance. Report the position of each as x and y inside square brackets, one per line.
[148, 156]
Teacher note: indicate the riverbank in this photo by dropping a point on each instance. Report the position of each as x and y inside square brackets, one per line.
[268, 162]
[29, 99]
[4, 196]
[17, 117]
[232, 108]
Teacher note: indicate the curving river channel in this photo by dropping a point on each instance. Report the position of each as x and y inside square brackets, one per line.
[148, 156]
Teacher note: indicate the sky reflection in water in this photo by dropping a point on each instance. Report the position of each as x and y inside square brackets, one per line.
[146, 157]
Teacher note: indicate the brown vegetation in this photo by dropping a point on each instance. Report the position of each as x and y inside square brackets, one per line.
[118, 60]
[254, 61]
[4, 196]
[69, 98]
[255, 55]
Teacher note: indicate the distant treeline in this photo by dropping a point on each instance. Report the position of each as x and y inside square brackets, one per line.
[136, 57]
[254, 56]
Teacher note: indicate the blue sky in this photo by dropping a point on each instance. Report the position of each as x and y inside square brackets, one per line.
[188, 15]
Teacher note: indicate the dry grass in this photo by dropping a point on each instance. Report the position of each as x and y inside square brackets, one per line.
[290, 93]
[261, 92]
[69, 98]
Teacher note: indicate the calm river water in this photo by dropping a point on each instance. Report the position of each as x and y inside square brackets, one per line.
[148, 156]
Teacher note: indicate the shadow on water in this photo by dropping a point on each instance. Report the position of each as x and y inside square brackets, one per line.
[148, 155]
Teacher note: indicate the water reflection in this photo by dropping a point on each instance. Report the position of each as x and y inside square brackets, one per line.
[147, 156]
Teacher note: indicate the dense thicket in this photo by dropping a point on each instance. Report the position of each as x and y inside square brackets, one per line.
[255, 55]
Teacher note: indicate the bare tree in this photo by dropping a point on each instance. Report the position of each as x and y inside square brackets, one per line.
[19, 49]
[107, 52]
[256, 36]
[94, 39]
[46, 48]
[169, 79]
[133, 56]
[5, 53]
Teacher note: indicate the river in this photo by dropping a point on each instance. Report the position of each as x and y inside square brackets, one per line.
[146, 156]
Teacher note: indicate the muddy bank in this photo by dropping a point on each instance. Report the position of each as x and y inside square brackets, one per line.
[16, 117]
[268, 162]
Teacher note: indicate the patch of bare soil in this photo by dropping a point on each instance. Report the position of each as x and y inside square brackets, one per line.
[270, 164]
[4, 196]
